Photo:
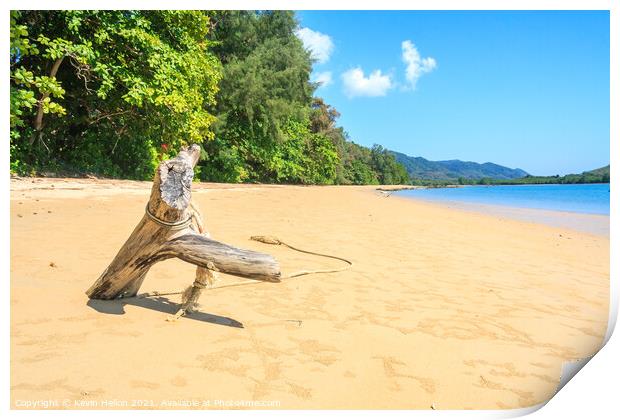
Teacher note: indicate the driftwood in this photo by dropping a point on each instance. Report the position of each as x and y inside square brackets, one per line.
[203, 277]
[167, 230]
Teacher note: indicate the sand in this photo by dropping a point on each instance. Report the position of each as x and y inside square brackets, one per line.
[443, 307]
[597, 224]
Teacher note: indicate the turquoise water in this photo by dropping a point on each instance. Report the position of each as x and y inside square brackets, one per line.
[577, 198]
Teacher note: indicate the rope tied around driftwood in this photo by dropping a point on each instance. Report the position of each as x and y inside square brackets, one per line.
[172, 227]
[192, 293]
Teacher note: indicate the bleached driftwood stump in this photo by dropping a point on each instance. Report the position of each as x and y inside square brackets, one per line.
[166, 231]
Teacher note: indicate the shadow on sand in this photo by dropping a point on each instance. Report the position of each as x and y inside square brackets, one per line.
[161, 304]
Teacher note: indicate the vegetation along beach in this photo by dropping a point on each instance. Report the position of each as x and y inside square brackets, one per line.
[309, 127]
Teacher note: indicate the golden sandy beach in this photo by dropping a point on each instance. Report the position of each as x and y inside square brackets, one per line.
[442, 308]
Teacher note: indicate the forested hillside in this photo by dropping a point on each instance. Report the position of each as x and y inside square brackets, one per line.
[451, 170]
[596, 176]
[114, 92]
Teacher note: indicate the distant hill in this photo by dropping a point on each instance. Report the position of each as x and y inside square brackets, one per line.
[420, 168]
[600, 175]
[601, 172]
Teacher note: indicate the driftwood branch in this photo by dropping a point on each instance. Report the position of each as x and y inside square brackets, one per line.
[213, 255]
[166, 231]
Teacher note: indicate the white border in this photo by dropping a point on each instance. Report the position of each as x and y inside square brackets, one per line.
[591, 394]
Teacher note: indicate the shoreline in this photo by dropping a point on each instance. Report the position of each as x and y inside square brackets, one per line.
[591, 223]
[596, 224]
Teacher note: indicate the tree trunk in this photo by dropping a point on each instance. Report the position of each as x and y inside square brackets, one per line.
[38, 120]
[167, 232]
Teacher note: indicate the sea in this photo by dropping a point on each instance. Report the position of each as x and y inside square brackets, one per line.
[583, 207]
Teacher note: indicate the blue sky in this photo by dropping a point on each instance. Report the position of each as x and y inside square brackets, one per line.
[521, 89]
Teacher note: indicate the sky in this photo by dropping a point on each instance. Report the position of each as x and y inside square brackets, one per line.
[523, 89]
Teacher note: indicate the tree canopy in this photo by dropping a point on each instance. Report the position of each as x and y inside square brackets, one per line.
[114, 92]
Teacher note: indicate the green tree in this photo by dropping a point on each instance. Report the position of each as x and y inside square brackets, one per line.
[109, 91]
[114, 92]
[388, 170]
[265, 84]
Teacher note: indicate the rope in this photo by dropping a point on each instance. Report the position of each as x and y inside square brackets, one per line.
[219, 286]
[271, 240]
[170, 225]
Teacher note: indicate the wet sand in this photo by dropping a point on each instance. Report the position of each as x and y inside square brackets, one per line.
[443, 307]
[597, 224]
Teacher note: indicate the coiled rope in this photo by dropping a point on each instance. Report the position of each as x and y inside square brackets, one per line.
[271, 240]
[170, 225]
[202, 284]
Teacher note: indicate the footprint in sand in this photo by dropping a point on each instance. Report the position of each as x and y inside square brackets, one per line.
[300, 391]
[391, 367]
[318, 352]
[525, 398]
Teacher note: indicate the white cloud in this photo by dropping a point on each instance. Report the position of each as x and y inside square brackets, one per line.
[319, 45]
[356, 84]
[416, 65]
[323, 78]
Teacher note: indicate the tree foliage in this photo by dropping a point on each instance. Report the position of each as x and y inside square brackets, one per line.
[109, 91]
[114, 92]
[265, 85]
[596, 176]
[358, 164]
